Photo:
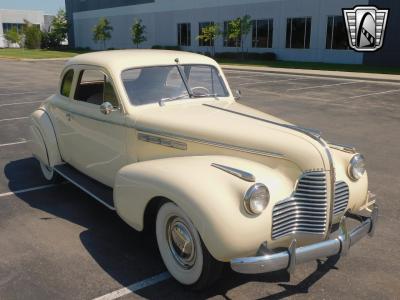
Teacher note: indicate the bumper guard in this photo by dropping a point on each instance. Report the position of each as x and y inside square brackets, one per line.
[292, 256]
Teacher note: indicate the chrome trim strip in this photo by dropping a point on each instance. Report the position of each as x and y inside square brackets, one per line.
[95, 118]
[342, 147]
[162, 141]
[236, 172]
[83, 189]
[313, 135]
[210, 143]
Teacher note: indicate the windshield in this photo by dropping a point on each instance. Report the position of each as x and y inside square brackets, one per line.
[159, 84]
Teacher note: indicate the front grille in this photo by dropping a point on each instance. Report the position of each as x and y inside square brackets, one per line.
[305, 211]
[341, 197]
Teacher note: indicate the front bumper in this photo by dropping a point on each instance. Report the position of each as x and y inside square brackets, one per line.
[292, 256]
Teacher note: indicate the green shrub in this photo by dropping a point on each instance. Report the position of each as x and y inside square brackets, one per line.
[33, 36]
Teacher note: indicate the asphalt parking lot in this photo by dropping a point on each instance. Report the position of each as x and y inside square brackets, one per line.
[58, 243]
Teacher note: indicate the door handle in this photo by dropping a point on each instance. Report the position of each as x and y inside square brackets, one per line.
[68, 115]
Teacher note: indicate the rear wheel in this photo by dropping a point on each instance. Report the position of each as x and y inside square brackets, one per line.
[49, 174]
[183, 251]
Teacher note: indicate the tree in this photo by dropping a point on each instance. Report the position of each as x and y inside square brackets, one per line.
[245, 28]
[238, 30]
[33, 35]
[234, 31]
[102, 31]
[12, 36]
[138, 33]
[59, 28]
[209, 34]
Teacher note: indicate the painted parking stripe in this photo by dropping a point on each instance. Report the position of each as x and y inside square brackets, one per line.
[135, 287]
[12, 119]
[323, 86]
[20, 103]
[372, 94]
[23, 141]
[28, 190]
[21, 93]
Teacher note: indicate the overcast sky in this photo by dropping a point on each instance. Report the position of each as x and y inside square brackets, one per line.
[48, 6]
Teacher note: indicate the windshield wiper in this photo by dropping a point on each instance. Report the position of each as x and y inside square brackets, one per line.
[169, 99]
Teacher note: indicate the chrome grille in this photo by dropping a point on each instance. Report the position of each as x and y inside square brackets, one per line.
[305, 211]
[341, 197]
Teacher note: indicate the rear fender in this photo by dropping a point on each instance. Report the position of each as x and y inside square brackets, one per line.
[212, 198]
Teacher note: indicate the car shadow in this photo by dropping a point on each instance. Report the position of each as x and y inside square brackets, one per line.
[126, 255]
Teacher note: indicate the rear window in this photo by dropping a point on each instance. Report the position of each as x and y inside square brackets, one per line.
[67, 83]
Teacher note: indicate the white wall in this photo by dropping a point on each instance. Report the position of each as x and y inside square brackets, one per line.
[162, 17]
[18, 16]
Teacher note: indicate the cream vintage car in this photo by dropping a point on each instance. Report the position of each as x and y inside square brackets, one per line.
[158, 137]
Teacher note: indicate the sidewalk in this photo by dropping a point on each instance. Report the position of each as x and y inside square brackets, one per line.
[321, 73]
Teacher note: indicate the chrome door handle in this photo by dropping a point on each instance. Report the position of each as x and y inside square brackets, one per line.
[68, 115]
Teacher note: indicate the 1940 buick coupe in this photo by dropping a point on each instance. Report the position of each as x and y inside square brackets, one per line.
[158, 137]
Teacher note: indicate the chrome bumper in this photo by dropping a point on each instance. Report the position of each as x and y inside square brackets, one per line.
[292, 256]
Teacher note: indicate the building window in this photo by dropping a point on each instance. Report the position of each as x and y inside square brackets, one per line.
[262, 33]
[201, 41]
[18, 26]
[184, 34]
[227, 41]
[298, 33]
[336, 35]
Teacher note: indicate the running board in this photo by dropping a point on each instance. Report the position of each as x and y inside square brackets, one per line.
[97, 190]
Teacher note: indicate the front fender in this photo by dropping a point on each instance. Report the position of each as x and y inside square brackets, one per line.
[212, 198]
[44, 144]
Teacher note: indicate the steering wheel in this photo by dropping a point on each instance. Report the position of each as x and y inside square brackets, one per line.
[207, 92]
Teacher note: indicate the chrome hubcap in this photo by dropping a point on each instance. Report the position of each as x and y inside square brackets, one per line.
[181, 242]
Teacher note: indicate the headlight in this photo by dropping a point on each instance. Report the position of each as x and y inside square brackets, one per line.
[356, 167]
[256, 199]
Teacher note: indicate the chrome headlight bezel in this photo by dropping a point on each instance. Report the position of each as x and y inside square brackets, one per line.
[356, 167]
[250, 198]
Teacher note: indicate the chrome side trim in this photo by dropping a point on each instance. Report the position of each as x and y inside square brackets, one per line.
[96, 118]
[236, 172]
[162, 141]
[313, 135]
[210, 143]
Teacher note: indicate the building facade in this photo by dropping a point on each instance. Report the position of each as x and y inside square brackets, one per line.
[10, 19]
[298, 30]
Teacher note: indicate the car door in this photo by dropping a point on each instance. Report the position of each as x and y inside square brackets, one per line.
[59, 106]
[97, 142]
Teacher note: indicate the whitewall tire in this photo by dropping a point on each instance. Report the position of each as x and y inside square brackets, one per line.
[182, 249]
[48, 173]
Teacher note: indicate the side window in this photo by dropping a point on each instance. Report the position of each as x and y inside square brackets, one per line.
[94, 87]
[67, 83]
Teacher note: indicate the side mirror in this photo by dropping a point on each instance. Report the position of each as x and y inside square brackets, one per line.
[107, 108]
[238, 94]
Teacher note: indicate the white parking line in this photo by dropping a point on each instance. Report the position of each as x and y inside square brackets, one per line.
[372, 94]
[273, 81]
[135, 287]
[23, 141]
[12, 119]
[322, 86]
[27, 190]
[19, 103]
[20, 93]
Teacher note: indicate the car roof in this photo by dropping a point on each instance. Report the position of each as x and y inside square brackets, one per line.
[119, 60]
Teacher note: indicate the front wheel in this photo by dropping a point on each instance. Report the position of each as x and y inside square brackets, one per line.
[49, 174]
[182, 250]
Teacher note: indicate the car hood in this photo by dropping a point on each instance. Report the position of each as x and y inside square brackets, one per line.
[234, 124]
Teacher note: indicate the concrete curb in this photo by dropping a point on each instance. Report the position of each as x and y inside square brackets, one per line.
[320, 73]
